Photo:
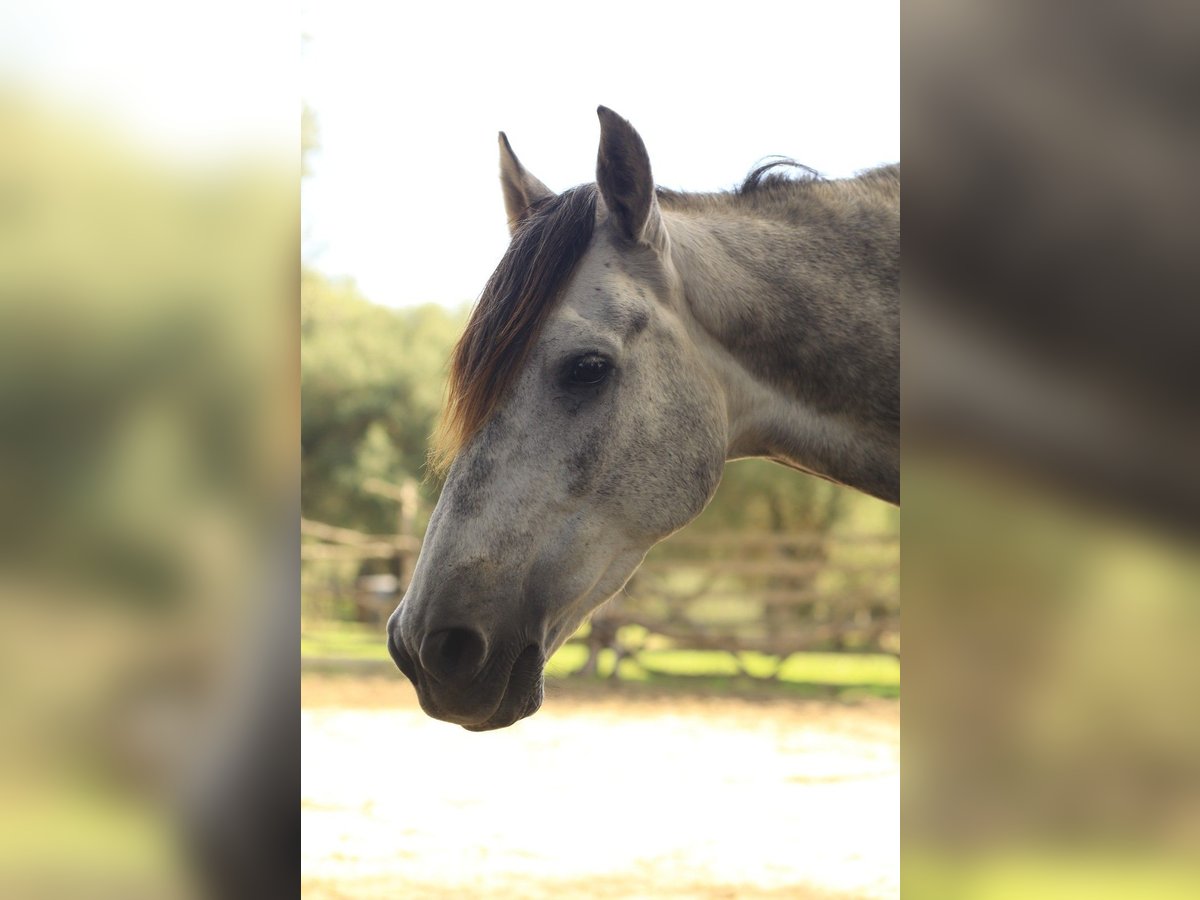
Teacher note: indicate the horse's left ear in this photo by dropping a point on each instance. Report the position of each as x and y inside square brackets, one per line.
[522, 191]
[625, 182]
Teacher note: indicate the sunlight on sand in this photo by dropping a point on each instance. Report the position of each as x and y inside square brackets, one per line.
[671, 797]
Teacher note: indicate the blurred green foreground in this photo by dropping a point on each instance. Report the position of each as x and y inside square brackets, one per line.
[147, 479]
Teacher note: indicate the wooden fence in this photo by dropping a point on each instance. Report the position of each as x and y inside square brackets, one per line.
[769, 594]
[773, 594]
[373, 594]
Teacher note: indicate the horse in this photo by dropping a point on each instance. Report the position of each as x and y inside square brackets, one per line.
[632, 340]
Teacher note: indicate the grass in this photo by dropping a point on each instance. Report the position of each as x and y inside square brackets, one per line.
[846, 675]
[343, 640]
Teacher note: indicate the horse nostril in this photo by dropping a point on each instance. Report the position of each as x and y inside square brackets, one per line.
[453, 654]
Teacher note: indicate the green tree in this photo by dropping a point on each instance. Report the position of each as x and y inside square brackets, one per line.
[372, 380]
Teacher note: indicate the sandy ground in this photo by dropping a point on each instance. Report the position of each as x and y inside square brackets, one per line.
[598, 796]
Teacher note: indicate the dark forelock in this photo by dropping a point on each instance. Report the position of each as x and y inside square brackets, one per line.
[510, 312]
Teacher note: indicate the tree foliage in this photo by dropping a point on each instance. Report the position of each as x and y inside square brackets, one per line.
[372, 380]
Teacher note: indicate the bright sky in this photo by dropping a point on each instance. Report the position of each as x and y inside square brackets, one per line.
[404, 195]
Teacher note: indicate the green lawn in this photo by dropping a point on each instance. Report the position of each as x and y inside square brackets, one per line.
[343, 640]
[870, 673]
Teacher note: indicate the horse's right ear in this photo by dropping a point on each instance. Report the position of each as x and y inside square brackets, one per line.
[625, 182]
[521, 190]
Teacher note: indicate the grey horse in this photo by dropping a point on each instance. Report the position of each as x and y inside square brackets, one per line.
[630, 342]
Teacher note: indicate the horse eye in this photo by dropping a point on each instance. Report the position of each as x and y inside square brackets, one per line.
[589, 370]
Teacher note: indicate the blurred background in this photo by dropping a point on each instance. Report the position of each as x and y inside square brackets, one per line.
[148, 470]
[1051, 585]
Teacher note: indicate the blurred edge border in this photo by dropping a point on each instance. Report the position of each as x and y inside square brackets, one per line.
[1050, 432]
[1051, 494]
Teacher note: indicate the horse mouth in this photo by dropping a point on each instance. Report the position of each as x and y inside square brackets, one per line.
[522, 695]
[519, 696]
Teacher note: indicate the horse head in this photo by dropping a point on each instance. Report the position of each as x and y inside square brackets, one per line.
[583, 427]
[621, 352]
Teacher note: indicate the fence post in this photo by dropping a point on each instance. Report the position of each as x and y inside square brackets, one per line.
[407, 498]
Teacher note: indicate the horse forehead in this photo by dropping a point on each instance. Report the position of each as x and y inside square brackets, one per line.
[602, 295]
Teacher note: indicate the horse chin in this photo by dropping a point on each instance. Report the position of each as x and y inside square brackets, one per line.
[522, 695]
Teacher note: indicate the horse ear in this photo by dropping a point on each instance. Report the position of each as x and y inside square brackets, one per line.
[624, 178]
[521, 190]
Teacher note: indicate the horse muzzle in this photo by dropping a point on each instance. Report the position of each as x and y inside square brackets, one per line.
[463, 678]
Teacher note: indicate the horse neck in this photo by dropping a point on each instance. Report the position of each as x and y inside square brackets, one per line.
[799, 318]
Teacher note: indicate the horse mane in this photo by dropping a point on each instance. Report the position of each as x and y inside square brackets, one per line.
[774, 172]
[509, 314]
[775, 176]
[776, 186]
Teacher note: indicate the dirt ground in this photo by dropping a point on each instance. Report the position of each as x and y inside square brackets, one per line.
[624, 796]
